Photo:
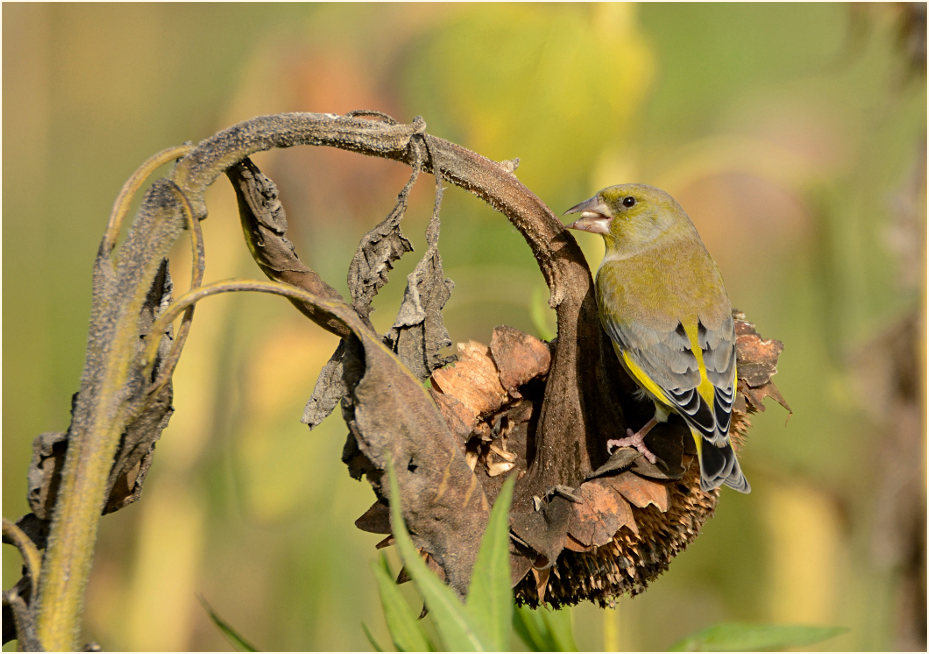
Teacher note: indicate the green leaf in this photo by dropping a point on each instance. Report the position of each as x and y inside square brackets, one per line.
[405, 631]
[559, 627]
[490, 596]
[370, 637]
[531, 630]
[456, 628]
[752, 637]
[544, 630]
[224, 626]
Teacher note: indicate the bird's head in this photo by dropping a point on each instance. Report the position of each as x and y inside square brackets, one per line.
[630, 216]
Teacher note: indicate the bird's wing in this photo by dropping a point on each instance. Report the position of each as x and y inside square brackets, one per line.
[690, 368]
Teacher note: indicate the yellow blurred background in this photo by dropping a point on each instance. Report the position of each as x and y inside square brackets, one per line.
[793, 134]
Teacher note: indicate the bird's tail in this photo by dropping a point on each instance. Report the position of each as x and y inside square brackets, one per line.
[719, 465]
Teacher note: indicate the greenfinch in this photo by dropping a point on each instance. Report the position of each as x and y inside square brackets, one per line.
[662, 302]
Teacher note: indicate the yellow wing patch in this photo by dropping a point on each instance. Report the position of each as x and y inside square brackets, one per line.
[642, 378]
[705, 388]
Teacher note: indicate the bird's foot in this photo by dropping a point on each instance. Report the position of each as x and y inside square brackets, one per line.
[635, 440]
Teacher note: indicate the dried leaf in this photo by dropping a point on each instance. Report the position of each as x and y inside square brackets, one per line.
[639, 491]
[621, 459]
[573, 545]
[443, 504]
[754, 397]
[519, 357]
[378, 249]
[757, 357]
[520, 565]
[134, 458]
[329, 389]
[418, 335]
[459, 418]
[376, 520]
[541, 581]
[600, 515]
[48, 459]
[473, 380]
[264, 223]
[757, 363]
[544, 530]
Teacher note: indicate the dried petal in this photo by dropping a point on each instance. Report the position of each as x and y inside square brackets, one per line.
[519, 357]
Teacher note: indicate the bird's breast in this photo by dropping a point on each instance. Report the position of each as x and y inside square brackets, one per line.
[664, 286]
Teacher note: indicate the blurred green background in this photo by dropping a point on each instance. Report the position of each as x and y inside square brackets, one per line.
[794, 135]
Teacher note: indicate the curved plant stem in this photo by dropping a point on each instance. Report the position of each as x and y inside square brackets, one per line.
[26, 547]
[186, 301]
[132, 186]
[198, 265]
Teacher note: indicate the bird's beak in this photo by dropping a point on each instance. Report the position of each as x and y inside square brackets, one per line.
[595, 216]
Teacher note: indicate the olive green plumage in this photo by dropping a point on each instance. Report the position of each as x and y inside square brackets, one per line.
[662, 301]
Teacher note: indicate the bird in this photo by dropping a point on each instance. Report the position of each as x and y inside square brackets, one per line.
[662, 302]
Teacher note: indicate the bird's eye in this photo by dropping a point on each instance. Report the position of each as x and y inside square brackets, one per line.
[628, 201]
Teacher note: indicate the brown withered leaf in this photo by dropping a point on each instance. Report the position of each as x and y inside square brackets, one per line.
[519, 357]
[541, 581]
[754, 397]
[378, 249]
[443, 504]
[571, 544]
[544, 530]
[621, 459]
[473, 380]
[48, 459]
[328, 390]
[264, 224]
[520, 563]
[460, 418]
[757, 357]
[757, 363]
[418, 335]
[640, 491]
[601, 514]
[376, 520]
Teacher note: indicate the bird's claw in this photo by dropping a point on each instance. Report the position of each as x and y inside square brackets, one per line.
[635, 440]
